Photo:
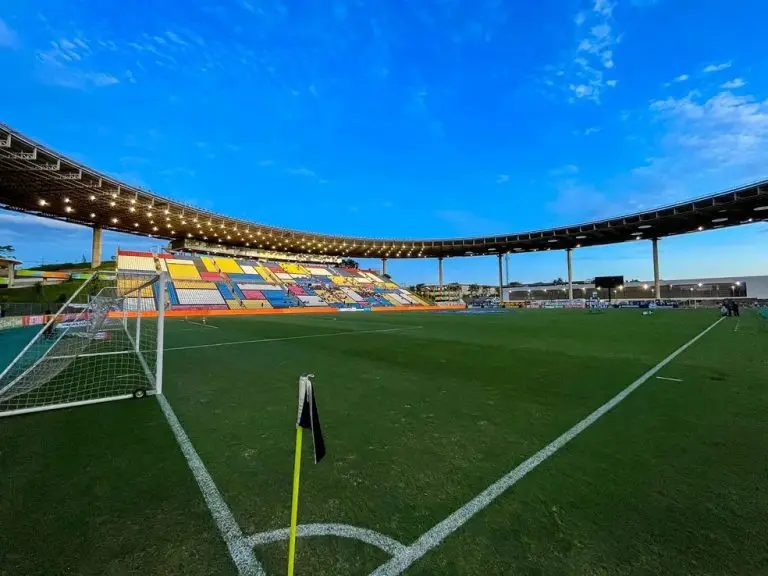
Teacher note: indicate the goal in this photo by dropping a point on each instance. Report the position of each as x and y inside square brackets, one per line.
[105, 343]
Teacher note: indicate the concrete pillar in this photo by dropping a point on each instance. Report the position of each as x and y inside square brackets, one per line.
[383, 265]
[501, 279]
[440, 273]
[11, 274]
[96, 247]
[569, 256]
[656, 281]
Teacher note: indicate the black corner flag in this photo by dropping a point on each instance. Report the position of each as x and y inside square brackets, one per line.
[308, 417]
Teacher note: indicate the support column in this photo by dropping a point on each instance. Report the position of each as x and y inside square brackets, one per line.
[96, 247]
[501, 280]
[569, 252]
[383, 265]
[440, 273]
[11, 274]
[656, 281]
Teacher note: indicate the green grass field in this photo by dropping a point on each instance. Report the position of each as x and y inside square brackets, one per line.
[421, 413]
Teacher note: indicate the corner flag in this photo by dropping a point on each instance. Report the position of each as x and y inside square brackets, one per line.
[307, 418]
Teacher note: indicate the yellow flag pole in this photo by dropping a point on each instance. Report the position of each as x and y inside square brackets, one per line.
[295, 501]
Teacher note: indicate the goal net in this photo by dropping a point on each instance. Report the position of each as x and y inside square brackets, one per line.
[105, 343]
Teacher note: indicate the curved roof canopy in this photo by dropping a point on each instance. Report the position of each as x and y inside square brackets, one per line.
[40, 181]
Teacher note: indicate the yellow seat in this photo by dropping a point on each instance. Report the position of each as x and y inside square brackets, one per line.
[228, 265]
[208, 263]
[183, 272]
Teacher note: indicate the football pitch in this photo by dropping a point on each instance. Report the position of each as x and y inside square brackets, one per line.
[524, 442]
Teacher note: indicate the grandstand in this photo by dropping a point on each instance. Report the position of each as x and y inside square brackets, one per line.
[203, 283]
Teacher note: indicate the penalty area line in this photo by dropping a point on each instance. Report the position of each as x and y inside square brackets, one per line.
[667, 378]
[435, 536]
[305, 336]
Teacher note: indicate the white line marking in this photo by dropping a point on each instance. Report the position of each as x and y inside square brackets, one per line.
[327, 335]
[385, 543]
[434, 537]
[239, 549]
[670, 379]
[736, 328]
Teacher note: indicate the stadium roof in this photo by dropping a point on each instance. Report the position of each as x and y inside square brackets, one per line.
[37, 180]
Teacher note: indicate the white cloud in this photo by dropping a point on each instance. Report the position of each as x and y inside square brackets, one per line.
[724, 133]
[682, 78]
[502, 179]
[717, 67]
[8, 37]
[735, 83]
[303, 172]
[175, 38]
[591, 130]
[604, 7]
[592, 58]
[567, 170]
[61, 66]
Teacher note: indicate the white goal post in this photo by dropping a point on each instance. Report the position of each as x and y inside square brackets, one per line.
[105, 343]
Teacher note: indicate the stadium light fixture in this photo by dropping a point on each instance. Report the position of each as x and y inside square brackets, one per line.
[645, 286]
[644, 226]
[149, 213]
[700, 228]
[132, 209]
[738, 283]
[66, 200]
[133, 200]
[92, 197]
[135, 224]
[167, 211]
[113, 203]
[761, 208]
[93, 215]
[68, 209]
[700, 284]
[717, 220]
[42, 202]
[114, 220]
[114, 194]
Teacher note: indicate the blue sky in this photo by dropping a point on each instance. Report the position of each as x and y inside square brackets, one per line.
[434, 118]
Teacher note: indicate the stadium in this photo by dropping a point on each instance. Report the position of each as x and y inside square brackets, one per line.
[521, 433]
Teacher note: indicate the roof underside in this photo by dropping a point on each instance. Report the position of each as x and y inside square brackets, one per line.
[37, 180]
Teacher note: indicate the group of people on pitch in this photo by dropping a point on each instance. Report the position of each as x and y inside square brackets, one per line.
[729, 308]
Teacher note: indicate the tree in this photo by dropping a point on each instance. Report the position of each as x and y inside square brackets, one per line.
[7, 250]
[473, 289]
[349, 263]
[558, 281]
